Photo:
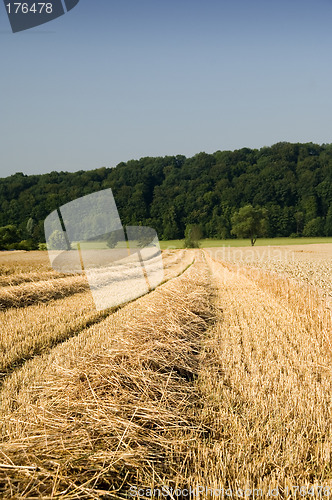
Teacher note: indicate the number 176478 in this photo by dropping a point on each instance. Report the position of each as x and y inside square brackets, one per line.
[24, 8]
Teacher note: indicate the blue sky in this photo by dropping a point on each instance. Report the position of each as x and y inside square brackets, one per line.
[111, 81]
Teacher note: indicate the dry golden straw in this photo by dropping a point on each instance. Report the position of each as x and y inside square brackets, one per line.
[220, 378]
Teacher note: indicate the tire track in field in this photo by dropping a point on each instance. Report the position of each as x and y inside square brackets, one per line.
[266, 382]
[24, 290]
[261, 411]
[30, 293]
[264, 311]
[39, 328]
[137, 408]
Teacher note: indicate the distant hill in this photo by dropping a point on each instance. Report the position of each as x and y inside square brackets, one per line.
[292, 181]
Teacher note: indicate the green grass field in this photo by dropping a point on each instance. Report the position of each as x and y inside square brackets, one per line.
[210, 243]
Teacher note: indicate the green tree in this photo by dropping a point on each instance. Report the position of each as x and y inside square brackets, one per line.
[315, 227]
[328, 223]
[9, 235]
[286, 179]
[192, 236]
[250, 222]
[57, 241]
[299, 217]
[171, 230]
[27, 245]
[143, 236]
[114, 238]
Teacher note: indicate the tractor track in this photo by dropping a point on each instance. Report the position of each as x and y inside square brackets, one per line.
[82, 323]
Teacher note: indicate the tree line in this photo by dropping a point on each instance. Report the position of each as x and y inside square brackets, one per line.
[292, 182]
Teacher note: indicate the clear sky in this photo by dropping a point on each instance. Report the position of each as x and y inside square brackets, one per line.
[116, 80]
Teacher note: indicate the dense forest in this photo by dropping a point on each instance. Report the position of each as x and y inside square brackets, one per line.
[293, 182]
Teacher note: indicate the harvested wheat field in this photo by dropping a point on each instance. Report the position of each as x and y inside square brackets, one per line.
[216, 384]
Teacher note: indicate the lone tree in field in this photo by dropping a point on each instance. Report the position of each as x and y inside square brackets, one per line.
[192, 236]
[249, 222]
[114, 238]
